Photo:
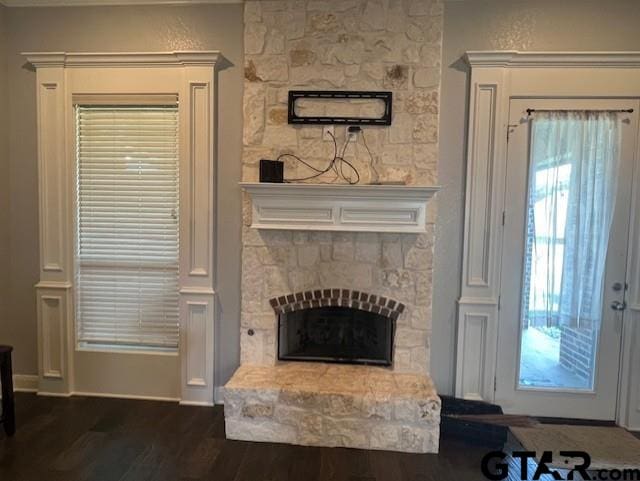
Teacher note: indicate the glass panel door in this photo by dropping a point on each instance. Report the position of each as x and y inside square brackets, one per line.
[567, 202]
[572, 181]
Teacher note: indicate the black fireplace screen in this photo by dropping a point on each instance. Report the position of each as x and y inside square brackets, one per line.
[335, 334]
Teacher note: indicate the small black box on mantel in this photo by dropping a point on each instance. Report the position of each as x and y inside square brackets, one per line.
[271, 171]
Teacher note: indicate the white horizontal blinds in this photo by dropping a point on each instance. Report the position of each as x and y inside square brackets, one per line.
[127, 200]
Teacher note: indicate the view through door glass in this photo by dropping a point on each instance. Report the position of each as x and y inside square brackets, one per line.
[573, 169]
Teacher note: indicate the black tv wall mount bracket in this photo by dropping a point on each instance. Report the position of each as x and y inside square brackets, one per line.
[295, 95]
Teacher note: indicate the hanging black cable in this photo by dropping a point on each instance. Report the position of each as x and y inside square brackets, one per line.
[335, 164]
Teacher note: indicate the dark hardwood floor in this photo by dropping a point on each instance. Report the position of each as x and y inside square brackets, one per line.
[79, 438]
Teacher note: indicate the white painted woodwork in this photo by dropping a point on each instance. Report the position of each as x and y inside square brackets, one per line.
[123, 59]
[196, 337]
[495, 78]
[514, 59]
[343, 207]
[64, 366]
[54, 296]
[475, 377]
[197, 229]
[25, 383]
[629, 392]
[201, 178]
[600, 402]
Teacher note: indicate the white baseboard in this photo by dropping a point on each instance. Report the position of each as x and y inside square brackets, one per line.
[195, 403]
[53, 394]
[29, 383]
[126, 396]
[218, 394]
[25, 383]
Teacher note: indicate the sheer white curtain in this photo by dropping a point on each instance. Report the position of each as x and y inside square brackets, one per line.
[572, 185]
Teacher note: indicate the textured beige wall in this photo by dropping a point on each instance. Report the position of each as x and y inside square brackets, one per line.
[499, 25]
[468, 25]
[120, 29]
[4, 183]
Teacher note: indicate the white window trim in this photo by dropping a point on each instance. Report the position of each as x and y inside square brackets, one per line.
[192, 75]
[497, 76]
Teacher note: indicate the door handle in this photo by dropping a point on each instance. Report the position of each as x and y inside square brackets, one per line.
[618, 306]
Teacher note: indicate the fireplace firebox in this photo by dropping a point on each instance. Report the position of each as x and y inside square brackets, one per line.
[335, 334]
[336, 325]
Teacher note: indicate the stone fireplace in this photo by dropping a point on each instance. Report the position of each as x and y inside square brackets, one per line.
[380, 397]
[328, 386]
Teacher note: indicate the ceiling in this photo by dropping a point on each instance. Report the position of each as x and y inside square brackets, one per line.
[80, 3]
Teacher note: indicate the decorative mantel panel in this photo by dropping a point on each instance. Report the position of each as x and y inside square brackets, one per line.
[340, 207]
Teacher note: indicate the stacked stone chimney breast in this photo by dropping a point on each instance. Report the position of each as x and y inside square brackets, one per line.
[390, 45]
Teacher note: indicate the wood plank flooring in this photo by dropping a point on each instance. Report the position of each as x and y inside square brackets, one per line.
[94, 439]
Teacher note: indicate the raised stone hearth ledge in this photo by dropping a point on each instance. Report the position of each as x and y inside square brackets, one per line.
[319, 404]
[339, 207]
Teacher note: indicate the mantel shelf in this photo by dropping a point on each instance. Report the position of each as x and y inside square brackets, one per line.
[339, 207]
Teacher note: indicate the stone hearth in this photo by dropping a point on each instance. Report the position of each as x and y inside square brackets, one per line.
[325, 404]
[318, 404]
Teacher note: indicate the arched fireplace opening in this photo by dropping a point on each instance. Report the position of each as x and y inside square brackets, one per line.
[336, 325]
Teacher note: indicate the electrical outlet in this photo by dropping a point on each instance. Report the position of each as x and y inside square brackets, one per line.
[351, 136]
[328, 133]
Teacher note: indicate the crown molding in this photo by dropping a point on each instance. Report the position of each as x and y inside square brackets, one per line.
[123, 59]
[94, 3]
[514, 58]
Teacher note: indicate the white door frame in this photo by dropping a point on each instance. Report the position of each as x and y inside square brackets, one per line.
[64, 369]
[496, 77]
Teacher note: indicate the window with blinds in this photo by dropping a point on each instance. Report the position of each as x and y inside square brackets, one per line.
[127, 225]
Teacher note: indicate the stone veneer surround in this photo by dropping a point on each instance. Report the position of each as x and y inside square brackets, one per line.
[392, 45]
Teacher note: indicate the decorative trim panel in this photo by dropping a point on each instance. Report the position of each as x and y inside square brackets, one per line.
[362, 208]
[476, 348]
[197, 312]
[200, 193]
[484, 204]
[482, 154]
[197, 231]
[53, 309]
[196, 338]
[51, 174]
[472, 345]
[52, 336]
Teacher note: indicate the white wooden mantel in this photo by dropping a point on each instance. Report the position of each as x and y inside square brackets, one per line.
[339, 207]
